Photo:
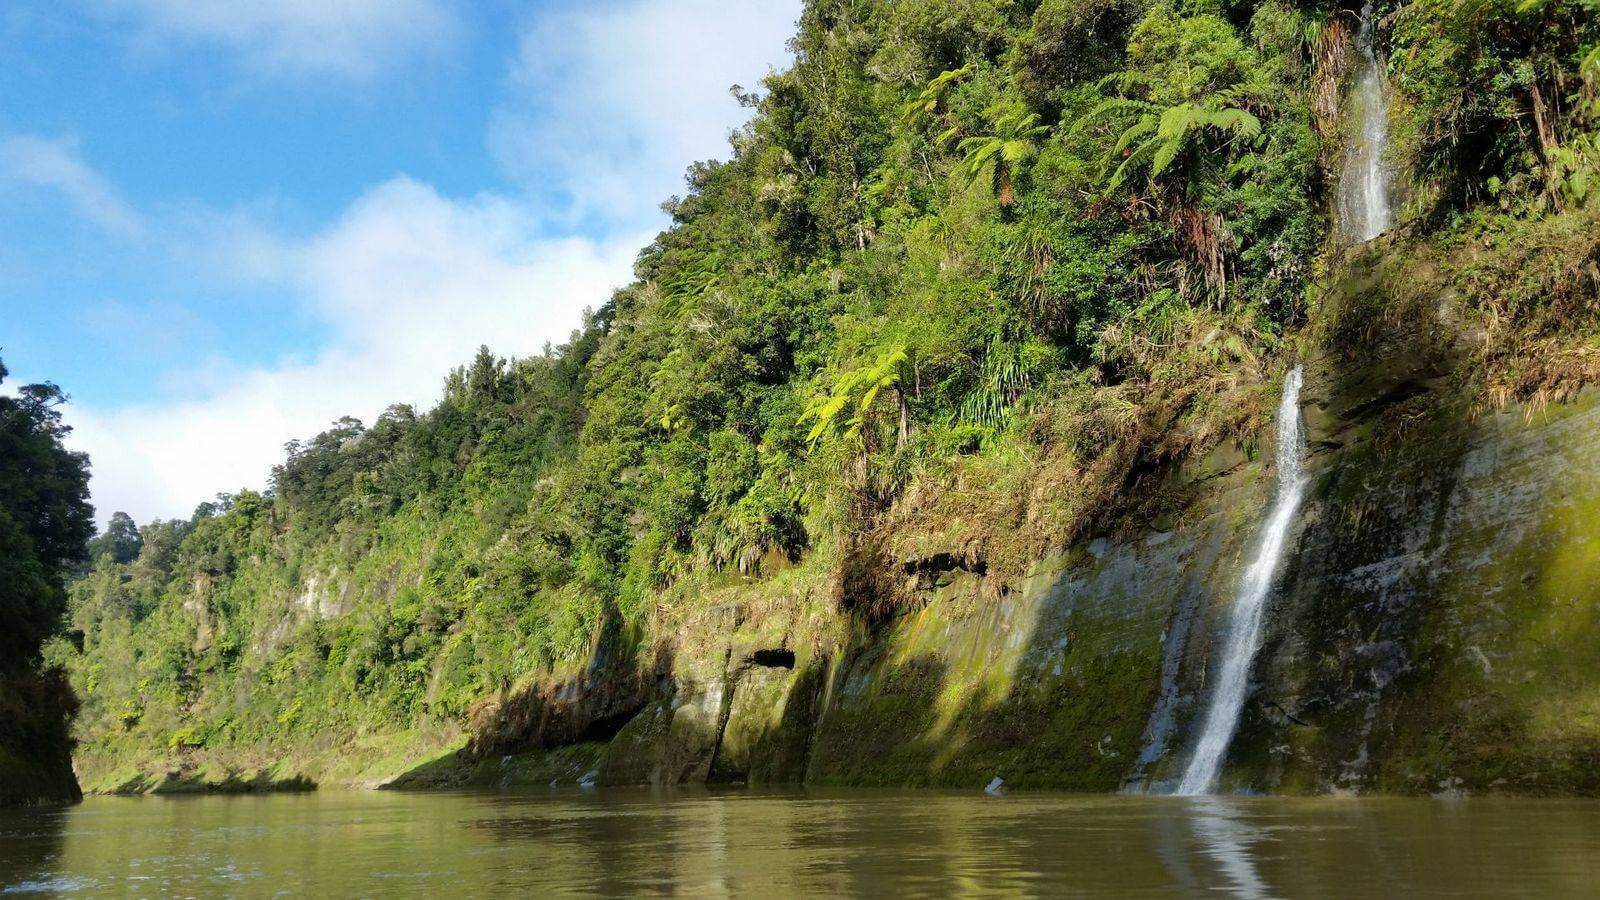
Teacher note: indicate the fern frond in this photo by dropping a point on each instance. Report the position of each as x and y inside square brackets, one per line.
[1106, 109]
[1166, 152]
[1135, 159]
[1137, 130]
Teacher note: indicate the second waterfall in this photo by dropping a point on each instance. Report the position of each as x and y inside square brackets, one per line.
[1242, 637]
[1364, 204]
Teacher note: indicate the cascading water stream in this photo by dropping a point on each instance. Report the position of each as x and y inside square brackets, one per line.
[1364, 213]
[1243, 636]
[1364, 210]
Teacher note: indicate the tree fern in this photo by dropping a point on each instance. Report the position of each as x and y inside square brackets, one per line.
[1160, 135]
[1012, 141]
[854, 392]
[931, 99]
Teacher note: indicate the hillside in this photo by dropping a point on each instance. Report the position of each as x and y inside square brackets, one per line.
[930, 437]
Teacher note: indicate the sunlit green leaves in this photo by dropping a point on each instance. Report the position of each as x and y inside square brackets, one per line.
[848, 409]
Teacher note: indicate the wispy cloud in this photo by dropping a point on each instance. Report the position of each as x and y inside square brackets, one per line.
[352, 39]
[56, 164]
[609, 103]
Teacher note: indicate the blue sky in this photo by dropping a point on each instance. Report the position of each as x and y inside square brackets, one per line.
[224, 223]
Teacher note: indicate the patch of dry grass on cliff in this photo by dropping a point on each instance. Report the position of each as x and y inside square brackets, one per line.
[1095, 455]
[1513, 304]
[1534, 291]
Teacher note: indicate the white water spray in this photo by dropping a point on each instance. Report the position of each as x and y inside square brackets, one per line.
[1364, 211]
[1243, 636]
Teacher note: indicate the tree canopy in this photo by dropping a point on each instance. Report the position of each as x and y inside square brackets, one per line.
[45, 517]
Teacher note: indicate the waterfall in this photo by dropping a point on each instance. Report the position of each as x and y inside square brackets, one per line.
[1364, 211]
[1243, 635]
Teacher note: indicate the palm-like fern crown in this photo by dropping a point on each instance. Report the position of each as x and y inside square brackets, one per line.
[1159, 135]
[1191, 79]
[920, 110]
[847, 408]
[1012, 140]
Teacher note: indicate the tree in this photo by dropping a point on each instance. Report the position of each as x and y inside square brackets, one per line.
[1159, 135]
[1189, 78]
[1187, 115]
[1012, 141]
[1492, 85]
[930, 101]
[849, 410]
[120, 541]
[44, 517]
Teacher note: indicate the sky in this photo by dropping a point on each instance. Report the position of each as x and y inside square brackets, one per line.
[226, 223]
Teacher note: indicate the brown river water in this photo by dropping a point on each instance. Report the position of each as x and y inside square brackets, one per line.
[804, 842]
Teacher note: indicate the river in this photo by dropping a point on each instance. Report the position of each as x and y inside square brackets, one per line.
[865, 843]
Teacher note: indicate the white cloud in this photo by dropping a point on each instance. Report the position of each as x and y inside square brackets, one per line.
[611, 103]
[410, 284]
[57, 165]
[346, 38]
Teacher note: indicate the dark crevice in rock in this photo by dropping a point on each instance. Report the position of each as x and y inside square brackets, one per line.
[945, 562]
[714, 771]
[813, 687]
[773, 659]
[1392, 395]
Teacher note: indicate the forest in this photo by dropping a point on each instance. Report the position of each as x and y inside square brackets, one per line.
[975, 277]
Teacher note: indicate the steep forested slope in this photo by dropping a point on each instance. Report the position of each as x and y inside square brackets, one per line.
[979, 277]
[44, 522]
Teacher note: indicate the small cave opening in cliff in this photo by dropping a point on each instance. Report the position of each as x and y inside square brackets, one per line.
[773, 659]
[604, 728]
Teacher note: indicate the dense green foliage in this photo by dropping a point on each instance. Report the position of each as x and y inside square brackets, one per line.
[1056, 238]
[1504, 95]
[44, 522]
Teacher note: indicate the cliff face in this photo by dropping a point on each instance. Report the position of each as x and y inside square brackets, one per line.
[1433, 628]
[1436, 628]
[933, 436]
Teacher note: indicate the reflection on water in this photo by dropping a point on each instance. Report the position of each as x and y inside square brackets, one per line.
[1226, 837]
[623, 842]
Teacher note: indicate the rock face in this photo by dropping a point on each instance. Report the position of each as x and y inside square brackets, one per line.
[1440, 629]
[1435, 626]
